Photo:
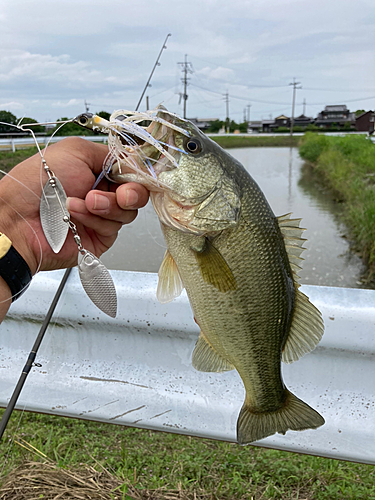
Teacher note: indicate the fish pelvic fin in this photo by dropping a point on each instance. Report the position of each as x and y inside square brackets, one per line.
[294, 415]
[170, 284]
[206, 359]
[214, 269]
[306, 330]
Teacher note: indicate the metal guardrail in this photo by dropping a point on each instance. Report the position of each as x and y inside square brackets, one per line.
[28, 142]
[136, 370]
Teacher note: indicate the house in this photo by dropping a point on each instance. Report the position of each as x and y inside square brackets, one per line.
[365, 122]
[254, 126]
[337, 115]
[302, 121]
[281, 121]
[266, 125]
[203, 123]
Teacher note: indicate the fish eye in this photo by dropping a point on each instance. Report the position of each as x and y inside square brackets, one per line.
[84, 118]
[193, 146]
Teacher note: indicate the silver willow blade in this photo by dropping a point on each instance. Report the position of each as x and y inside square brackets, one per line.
[52, 211]
[97, 282]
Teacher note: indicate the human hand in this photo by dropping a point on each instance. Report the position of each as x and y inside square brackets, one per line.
[98, 214]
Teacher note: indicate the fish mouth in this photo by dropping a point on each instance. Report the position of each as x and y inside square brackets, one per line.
[142, 145]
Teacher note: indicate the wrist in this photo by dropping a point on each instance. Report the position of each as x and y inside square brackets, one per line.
[20, 235]
[14, 270]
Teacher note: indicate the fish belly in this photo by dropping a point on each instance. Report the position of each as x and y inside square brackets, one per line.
[247, 326]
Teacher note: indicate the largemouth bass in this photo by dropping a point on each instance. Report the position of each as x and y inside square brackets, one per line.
[236, 259]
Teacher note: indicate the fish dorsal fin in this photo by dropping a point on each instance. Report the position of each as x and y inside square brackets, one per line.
[307, 324]
[214, 269]
[170, 284]
[206, 359]
[306, 330]
[292, 233]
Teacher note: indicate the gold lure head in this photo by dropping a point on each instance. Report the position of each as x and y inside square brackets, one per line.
[92, 122]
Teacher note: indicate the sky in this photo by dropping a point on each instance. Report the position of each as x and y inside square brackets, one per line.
[56, 55]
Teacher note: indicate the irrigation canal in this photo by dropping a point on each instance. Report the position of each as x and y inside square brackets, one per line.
[288, 188]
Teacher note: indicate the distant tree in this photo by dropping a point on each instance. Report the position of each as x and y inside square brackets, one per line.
[36, 128]
[243, 127]
[359, 112]
[215, 126]
[233, 126]
[104, 114]
[71, 128]
[7, 117]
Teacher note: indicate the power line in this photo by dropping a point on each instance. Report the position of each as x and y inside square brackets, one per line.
[346, 100]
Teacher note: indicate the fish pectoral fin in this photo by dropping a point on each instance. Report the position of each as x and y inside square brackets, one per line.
[214, 269]
[293, 415]
[170, 284]
[306, 330]
[206, 359]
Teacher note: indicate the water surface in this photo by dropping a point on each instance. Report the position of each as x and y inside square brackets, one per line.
[278, 171]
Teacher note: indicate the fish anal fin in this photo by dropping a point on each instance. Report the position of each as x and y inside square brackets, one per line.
[170, 284]
[306, 330]
[293, 415]
[214, 269]
[206, 359]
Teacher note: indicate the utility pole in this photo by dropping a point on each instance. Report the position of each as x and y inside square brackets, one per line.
[87, 104]
[304, 107]
[227, 121]
[294, 84]
[187, 68]
[147, 102]
[248, 113]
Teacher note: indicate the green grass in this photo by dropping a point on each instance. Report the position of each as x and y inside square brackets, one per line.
[8, 159]
[151, 460]
[234, 141]
[347, 166]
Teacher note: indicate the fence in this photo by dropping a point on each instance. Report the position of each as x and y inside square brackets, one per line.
[136, 370]
[27, 142]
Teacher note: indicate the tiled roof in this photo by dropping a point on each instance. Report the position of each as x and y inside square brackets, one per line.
[338, 107]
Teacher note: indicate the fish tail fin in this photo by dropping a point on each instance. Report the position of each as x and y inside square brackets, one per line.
[293, 415]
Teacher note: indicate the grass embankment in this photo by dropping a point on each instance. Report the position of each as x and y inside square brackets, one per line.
[234, 141]
[149, 461]
[347, 165]
[8, 159]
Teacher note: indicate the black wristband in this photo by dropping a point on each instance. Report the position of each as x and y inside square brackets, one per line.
[13, 268]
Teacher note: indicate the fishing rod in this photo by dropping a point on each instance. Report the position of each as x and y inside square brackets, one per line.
[152, 71]
[32, 355]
